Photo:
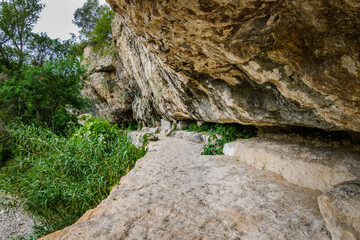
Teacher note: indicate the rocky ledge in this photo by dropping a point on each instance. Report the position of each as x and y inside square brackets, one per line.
[176, 193]
[319, 167]
[265, 63]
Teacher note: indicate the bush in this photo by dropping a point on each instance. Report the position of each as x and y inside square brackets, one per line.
[221, 134]
[57, 179]
[193, 127]
[224, 133]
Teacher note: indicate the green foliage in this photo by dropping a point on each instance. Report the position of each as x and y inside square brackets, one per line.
[42, 93]
[131, 126]
[58, 178]
[88, 16]
[193, 127]
[17, 18]
[224, 133]
[101, 35]
[221, 134]
[5, 147]
[40, 77]
[95, 20]
[42, 49]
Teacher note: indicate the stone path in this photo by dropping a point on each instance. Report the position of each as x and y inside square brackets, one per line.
[14, 224]
[176, 193]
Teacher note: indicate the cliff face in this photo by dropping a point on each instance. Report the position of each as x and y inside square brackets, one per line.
[260, 62]
[104, 87]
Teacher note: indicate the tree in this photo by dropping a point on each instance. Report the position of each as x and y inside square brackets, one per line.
[43, 93]
[87, 17]
[42, 89]
[40, 77]
[42, 48]
[101, 35]
[17, 19]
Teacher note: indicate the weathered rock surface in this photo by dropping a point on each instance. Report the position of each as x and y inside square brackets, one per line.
[304, 164]
[14, 224]
[341, 210]
[176, 193]
[264, 62]
[104, 87]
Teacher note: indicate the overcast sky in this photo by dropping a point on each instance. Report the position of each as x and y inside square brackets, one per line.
[55, 18]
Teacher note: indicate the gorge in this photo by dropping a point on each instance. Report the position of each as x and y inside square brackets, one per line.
[272, 64]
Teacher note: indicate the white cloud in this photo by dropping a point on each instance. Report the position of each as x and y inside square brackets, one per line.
[55, 18]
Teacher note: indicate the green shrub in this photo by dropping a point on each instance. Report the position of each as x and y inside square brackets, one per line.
[221, 134]
[193, 127]
[224, 133]
[5, 146]
[58, 178]
[130, 126]
[174, 127]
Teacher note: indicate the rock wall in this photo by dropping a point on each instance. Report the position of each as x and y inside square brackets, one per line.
[340, 209]
[260, 62]
[104, 88]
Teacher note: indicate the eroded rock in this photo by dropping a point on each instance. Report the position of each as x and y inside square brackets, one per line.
[304, 164]
[105, 89]
[253, 62]
[340, 208]
[190, 136]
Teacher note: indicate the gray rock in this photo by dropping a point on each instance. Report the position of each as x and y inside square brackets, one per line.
[340, 208]
[197, 137]
[137, 137]
[103, 87]
[166, 126]
[190, 136]
[14, 224]
[180, 125]
[154, 130]
[303, 164]
[145, 129]
[254, 62]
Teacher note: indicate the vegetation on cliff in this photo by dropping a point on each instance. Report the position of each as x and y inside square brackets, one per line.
[95, 20]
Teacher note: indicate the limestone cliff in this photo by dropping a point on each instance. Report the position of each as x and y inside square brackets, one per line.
[104, 88]
[260, 62]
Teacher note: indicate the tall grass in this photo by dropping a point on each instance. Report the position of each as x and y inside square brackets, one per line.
[57, 179]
